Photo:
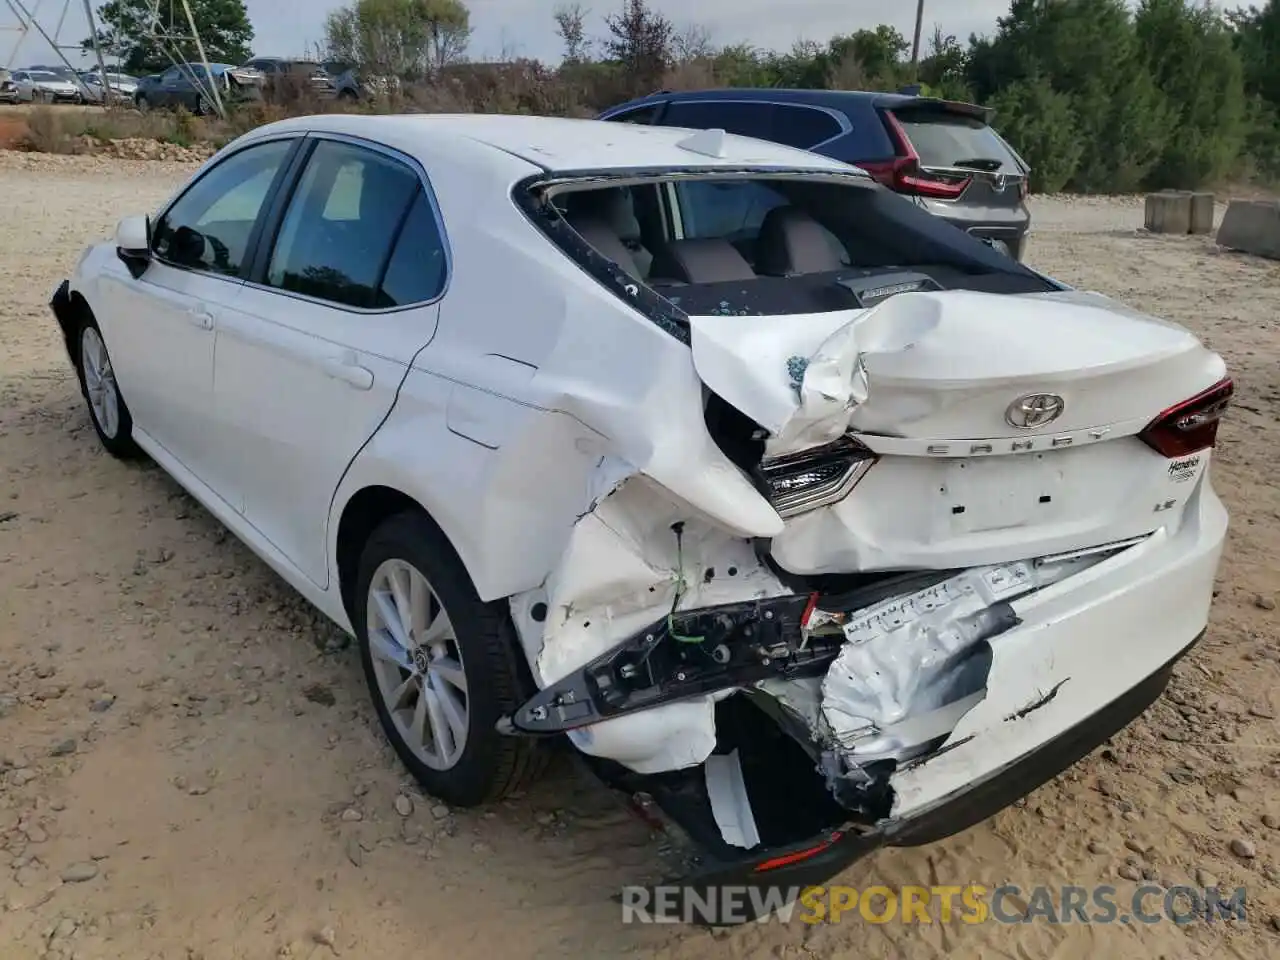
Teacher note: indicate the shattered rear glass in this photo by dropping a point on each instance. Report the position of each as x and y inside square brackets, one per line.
[769, 245]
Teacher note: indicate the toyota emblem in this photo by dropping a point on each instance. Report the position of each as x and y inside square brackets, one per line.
[1034, 410]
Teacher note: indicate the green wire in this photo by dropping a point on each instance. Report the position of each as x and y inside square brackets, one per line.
[681, 583]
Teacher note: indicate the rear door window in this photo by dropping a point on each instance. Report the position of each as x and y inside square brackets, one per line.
[945, 139]
[744, 119]
[803, 127]
[337, 234]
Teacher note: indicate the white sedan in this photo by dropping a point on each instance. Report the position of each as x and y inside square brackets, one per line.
[45, 86]
[791, 506]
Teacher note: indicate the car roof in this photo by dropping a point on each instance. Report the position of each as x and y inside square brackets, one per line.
[838, 100]
[561, 144]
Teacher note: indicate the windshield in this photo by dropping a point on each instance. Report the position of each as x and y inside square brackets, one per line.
[772, 245]
[42, 75]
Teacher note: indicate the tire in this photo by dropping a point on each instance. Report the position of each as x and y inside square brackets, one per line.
[108, 412]
[486, 765]
[142, 103]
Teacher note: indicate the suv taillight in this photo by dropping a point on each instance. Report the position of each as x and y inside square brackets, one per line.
[904, 175]
[1191, 425]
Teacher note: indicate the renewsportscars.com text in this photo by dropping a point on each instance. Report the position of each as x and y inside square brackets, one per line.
[970, 904]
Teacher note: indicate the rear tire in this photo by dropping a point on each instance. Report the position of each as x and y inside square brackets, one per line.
[440, 665]
[108, 412]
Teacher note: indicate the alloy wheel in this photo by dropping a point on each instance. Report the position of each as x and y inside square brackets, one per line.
[100, 382]
[418, 664]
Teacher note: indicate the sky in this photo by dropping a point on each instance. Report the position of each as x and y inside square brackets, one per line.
[525, 27]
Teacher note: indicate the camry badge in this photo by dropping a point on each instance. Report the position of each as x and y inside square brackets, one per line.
[1034, 410]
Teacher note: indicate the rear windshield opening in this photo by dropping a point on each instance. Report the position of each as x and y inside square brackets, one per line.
[773, 245]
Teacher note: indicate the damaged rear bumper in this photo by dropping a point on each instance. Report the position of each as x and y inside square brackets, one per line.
[780, 874]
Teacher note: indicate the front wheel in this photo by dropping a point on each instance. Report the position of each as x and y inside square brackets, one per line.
[107, 409]
[142, 103]
[440, 665]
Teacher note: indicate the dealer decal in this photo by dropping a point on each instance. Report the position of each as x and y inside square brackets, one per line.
[1184, 469]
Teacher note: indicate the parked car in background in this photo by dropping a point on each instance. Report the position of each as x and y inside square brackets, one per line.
[351, 83]
[943, 154]
[8, 89]
[282, 77]
[45, 86]
[826, 530]
[122, 86]
[189, 85]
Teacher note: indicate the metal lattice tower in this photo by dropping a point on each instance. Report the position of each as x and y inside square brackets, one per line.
[170, 26]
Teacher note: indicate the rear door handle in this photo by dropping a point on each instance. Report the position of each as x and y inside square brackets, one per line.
[200, 318]
[347, 369]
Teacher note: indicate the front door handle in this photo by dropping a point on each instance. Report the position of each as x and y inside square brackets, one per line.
[200, 318]
[347, 369]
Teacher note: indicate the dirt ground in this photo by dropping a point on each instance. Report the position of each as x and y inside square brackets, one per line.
[189, 766]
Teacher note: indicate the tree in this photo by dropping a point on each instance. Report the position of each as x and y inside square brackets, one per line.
[125, 32]
[1088, 51]
[641, 42]
[399, 37]
[571, 28]
[693, 42]
[1193, 60]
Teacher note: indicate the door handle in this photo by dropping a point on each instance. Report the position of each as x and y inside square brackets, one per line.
[200, 318]
[347, 369]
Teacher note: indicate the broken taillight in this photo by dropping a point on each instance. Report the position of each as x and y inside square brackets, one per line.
[814, 478]
[1191, 425]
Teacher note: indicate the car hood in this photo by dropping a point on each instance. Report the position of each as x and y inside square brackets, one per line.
[947, 365]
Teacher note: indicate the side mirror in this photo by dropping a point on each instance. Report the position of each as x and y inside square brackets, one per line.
[133, 243]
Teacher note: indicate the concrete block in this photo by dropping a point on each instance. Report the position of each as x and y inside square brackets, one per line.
[1202, 213]
[1252, 226]
[1169, 212]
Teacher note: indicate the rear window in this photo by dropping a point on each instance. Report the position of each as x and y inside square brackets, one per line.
[769, 245]
[951, 140]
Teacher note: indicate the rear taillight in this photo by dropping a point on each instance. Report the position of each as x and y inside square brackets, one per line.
[904, 175]
[1191, 425]
[814, 478]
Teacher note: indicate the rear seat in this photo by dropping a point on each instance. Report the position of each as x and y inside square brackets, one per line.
[791, 242]
[606, 220]
[706, 260]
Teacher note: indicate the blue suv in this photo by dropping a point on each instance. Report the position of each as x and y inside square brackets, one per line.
[941, 153]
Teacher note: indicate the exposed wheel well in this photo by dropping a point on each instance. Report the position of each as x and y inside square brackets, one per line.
[71, 313]
[361, 516]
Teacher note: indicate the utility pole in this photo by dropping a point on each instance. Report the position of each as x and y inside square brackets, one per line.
[915, 44]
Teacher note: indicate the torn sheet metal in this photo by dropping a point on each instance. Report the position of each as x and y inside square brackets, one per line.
[751, 363]
[624, 568]
[913, 666]
[945, 365]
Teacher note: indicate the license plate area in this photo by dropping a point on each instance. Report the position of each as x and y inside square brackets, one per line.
[997, 493]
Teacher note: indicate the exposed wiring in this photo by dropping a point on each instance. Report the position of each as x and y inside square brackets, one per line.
[681, 585]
